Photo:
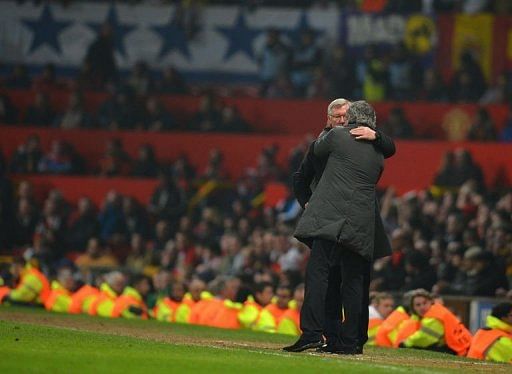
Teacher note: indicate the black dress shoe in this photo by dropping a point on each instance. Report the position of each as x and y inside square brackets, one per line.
[302, 345]
[358, 350]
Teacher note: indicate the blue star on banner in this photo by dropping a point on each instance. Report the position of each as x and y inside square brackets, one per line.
[239, 37]
[174, 37]
[302, 25]
[45, 30]
[118, 30]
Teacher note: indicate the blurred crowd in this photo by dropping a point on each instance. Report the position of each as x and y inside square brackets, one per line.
[454, 238]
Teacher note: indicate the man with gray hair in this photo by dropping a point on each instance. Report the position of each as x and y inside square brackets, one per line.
[322, 305]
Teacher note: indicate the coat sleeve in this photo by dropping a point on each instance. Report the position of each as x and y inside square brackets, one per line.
[303, 177]
[385, 144]
[323, 145]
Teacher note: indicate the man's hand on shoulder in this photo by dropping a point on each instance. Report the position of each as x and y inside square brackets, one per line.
[364, 133]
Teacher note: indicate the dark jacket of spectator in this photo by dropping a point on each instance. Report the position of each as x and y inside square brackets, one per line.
[40, 113]
[100, 57]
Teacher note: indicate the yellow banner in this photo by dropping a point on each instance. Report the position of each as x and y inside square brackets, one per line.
[474, 33]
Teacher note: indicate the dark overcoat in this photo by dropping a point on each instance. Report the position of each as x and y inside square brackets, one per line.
[343, 207]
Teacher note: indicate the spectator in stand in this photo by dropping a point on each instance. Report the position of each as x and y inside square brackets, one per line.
[466, 169]
[168, 201]
[40, 113]
[445, 176]
[75, 115]
[156, 117]
[397, 126]
[208, 117]
[86, 80]
[401, 73]
[25, 223]
[118, 112]
[468, 83]
[231, 121]
[320, 85]
[83, 224]
[58, 161]
[371, 76]
[116, 161]
[146, 164]
[135, 219]
[140, 81]
[306, 56]
[506, 132]
[95, 257]
[419, 272]
[500, 93]
[47, 81]
[172, 82]
[273, 60]
[281, 87]
[111, 219]
[341, 73]
[27, 156]
[19, 78]
[433, 88]
[139, 257]
[482, 129]
[100, 57]
[161, 238]
[8, 113]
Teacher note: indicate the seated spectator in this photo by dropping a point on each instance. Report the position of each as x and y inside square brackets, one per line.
[111, 219]
[468, 83]
[497, 94]
[139, 257]
[172, 82]
[433, 88]
[100, 57]
[482, 129]
[281, 88]
[83, 224]
[19, 78]
[320, 85]
[401, 73]
[75, 115]
[95, 257]
[506, 132]
[273, 59]
[168, 200]
[466, 169]
[118, 112]
[86, 80]
[140, 81]
[116, 161]
[231, 121]
[146, 164]
[156, 117]
[47, 81]
[135, 219]
[27, 156]
[397, 125]
[8, 113]
[419, 272]
[445, 176]
[340, 73]
[40, 113]
[58, 161]
[208, 117]
[306, 55]
[25, 223]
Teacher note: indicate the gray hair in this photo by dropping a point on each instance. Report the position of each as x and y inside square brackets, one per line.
[336, 104]
[362, 113]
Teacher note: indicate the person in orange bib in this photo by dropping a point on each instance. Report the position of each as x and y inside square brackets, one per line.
[60, 297]
[194, 301]
[378, 311]
[166, 307]
[271, 314]
[290, 321]
[440, 330]
[131, 303]
[494, 342]
[387, 332]
[102, 304]
[249, 316]
[32, 286]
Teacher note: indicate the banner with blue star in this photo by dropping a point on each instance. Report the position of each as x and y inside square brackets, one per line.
[240, 37]
[303, 25]
[45, 30]
[173, 37]
[119, 30]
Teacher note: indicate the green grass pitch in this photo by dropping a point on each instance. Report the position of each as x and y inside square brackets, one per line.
[37, 341]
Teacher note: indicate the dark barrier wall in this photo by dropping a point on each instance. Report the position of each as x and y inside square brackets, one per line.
[413, 167]
[298, 116]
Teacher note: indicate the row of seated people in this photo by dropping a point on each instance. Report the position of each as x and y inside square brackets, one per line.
[421, 322]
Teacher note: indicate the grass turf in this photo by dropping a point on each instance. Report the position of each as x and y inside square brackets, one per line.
[64, 344]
